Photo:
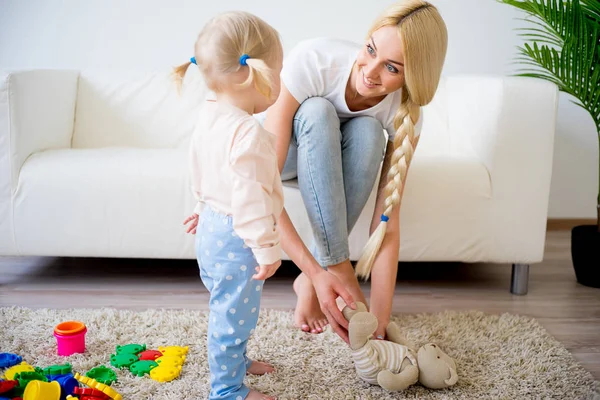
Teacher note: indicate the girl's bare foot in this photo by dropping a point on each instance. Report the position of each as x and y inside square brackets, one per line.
[254, 395]
[308, 315]
[260, 368]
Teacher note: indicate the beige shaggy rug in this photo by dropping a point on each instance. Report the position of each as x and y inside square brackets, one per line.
[498, 356]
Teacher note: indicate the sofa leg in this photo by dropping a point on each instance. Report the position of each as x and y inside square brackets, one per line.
[519, 279]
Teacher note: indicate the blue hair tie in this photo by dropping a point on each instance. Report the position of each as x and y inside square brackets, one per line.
[243, 59]
[384, 218]
[193, 60]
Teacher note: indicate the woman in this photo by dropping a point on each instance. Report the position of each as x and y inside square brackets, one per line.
[336, 99]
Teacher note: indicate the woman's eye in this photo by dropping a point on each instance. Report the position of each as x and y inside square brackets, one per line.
[391, 68]
[370, 49]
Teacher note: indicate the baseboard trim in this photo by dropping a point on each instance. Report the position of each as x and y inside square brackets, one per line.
[566, 224]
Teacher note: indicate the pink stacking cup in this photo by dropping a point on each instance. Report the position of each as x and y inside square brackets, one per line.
[70, 337]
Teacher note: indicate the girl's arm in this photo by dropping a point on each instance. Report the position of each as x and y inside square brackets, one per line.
[279, 120]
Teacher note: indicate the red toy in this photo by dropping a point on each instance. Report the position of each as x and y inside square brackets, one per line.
[150, 355]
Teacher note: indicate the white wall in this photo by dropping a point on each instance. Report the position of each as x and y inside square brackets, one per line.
[151, 34]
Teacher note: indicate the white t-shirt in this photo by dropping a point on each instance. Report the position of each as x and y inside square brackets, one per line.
[321, 68]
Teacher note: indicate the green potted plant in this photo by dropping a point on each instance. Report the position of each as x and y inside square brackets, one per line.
[562, 46]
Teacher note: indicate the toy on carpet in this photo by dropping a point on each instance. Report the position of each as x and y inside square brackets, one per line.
[162, 365]
[70, 337]
[35, 383]
[58, 382]
[395, 364]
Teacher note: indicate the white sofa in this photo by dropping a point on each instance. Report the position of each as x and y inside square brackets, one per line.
[94, 163]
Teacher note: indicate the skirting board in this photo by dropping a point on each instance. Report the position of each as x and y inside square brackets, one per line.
[566, 224]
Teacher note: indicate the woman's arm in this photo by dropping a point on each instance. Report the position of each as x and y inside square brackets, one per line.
[279, 120]
[385, 266]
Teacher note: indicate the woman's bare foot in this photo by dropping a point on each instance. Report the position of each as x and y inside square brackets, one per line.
[308, 315]
[254, 395]
[260, 368]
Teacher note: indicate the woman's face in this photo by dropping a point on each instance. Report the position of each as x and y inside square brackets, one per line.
[380, 64]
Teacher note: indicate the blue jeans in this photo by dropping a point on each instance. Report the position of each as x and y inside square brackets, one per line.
[336, 164]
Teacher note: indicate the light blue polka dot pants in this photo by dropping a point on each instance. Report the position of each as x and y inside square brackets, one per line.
[226, 269]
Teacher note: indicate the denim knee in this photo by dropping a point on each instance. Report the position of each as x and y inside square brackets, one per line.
[368, 131]
[316, 111]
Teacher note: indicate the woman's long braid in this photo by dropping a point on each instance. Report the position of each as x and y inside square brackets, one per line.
[404, 148]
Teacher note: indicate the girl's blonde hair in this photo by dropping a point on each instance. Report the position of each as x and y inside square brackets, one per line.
[224, 40]
[424, 38]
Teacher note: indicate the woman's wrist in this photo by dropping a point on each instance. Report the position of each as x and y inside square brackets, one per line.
[311, 268]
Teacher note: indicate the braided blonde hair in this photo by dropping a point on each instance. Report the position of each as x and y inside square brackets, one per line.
[224, 40]
[424, 38]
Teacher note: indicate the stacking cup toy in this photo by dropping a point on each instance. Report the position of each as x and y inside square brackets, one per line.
[38, 390]
[70, 337]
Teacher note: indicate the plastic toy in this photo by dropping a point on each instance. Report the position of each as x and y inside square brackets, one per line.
[91, 393]
[24, 378]
[102, 375]
[70, 337]
[172, 361]
[7, 386]
[69, 397]
[67, 383]
[61, 369]
[10, 373]
[38, 390]
[141, 368]
[131, 348]
[150, 355]
[9, 359]
[122, 360]
[112, 393]
[176, 351]
[165, 373]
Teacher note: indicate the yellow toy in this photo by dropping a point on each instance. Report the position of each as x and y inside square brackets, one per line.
[165, 373]
[17, 369]
[172, 361]
[94, 384]
[38, 390]
[176, 351]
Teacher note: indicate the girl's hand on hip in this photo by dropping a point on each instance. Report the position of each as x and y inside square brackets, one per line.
[194, 223]
[266, 271]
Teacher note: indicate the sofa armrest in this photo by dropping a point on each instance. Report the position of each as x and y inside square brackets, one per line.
[37, 111]
[509, 124]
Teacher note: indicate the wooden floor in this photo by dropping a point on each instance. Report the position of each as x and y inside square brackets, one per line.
[568, 310]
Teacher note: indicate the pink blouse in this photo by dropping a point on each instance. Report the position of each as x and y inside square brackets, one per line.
[234, 171]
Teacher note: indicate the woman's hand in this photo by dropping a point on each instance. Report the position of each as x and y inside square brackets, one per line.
[328, 288]
[194, 223]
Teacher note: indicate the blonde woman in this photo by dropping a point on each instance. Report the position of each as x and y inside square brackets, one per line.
[235, 175]
[336, 99]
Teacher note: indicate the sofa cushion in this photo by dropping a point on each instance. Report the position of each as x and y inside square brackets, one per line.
[446, 205]
[136, 109]
[104, 202]
[121, 202]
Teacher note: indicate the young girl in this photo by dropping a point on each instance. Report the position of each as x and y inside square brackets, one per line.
[235, 176]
